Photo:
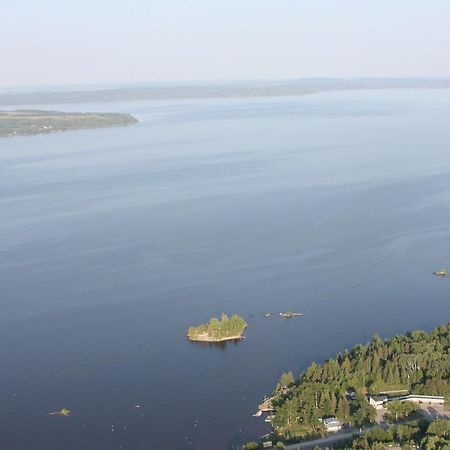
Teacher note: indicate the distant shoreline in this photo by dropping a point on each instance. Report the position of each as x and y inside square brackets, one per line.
[32, 122]
[198, 90]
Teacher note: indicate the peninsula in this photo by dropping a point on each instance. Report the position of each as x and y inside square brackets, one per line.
[28, 122]
[392, 381]
[225, 329]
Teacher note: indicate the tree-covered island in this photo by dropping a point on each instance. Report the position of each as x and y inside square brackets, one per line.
[28, 122]
[225, 329]
[344, 387]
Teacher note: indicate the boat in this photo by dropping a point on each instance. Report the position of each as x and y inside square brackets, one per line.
[257, 413]
[267, 314]
[441, 273]
[268, 419]
[289, 314]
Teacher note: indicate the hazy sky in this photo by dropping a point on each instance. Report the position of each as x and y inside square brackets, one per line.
[91, 41]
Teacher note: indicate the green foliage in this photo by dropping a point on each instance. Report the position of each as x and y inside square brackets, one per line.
[405, 433]
[439, 428]
[417, 361]
[435, 436]
[378, 434]
[219, 329]
[400, 410]
[287, 379]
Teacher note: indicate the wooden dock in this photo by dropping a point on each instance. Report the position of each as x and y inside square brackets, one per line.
[266, 405]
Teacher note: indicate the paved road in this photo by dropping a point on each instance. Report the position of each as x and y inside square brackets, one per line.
[327, 440]
[434, 412]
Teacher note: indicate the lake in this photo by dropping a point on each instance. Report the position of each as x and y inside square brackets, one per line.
[114, 241]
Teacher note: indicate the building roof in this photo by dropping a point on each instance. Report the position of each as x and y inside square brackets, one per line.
[332, 421]
[420, 397]
[379, 398]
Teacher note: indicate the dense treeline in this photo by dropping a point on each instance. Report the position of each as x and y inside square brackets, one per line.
[219, 329]
[417, 361]
[432, 436]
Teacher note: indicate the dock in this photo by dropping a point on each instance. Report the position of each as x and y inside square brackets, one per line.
[266, 405]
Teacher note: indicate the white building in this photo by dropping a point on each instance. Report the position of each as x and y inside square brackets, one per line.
[428, 399]
[378, 401]
[332, 424]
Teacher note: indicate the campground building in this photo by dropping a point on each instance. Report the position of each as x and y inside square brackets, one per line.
[379, 401]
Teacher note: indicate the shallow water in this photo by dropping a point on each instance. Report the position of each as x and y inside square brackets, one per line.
[114, 241]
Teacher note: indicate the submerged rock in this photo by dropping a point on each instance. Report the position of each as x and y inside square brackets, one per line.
[63, 412]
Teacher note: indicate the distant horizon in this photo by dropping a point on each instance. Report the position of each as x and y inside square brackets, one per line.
[214, 82]
[91, 41]
[178, 90]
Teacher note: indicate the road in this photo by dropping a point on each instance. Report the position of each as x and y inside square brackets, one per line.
[323, 442]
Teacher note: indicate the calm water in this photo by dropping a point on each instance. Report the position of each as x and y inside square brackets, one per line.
[113, 242]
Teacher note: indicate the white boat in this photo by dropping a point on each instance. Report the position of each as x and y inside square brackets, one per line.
[258, 413]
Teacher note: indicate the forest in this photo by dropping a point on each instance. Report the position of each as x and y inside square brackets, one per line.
[418, 362]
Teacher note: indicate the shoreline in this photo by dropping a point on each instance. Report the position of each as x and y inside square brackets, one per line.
[33, 122]
[218, 331]
[204, 338]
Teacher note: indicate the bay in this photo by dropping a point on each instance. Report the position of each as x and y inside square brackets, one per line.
[114, 241]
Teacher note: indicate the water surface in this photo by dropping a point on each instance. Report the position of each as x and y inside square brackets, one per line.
[114, 241]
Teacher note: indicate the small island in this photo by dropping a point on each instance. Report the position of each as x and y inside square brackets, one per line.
[29, 122]
[225, 329]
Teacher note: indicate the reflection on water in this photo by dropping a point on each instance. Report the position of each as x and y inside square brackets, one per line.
[218, 345]
[113, 242]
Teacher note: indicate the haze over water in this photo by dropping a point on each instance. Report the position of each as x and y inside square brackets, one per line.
[114, 241]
